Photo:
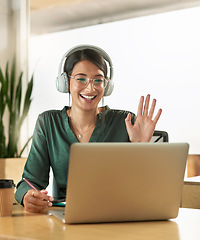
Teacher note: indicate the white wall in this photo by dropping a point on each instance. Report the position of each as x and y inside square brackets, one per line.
[157, 54]
[6, 29]
[14, 34]
[7, 45]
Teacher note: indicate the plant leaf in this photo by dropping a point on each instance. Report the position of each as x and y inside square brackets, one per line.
[12, 82]
[27, 102]
[11, 96]
[18, 97]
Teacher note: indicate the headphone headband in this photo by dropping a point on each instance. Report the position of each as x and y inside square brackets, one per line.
[62, 79]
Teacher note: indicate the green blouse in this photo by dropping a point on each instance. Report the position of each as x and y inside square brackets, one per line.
[51, 143]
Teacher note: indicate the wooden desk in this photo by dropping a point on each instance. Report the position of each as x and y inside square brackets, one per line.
[23, 225]
[191, 193]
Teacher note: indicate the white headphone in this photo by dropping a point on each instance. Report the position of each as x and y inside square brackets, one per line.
[62, 82]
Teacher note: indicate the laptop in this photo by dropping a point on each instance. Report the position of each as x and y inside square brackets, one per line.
[119, 182]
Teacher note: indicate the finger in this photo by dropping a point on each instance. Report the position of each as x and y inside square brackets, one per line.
[40, 202]
[37, 205]
[153, 105]
[129, 126]
[140, 106]
[30, 207]
[146, 105]
[42, 195]
[157, 116]
[128, 121]
[128, 118]
[44, 191]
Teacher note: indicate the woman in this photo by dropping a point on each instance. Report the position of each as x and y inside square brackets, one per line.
[84, 121]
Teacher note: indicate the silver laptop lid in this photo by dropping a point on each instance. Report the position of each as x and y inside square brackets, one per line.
[114, 182]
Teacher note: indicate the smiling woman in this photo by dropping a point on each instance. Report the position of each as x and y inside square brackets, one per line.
[85, 77]
[85, 98]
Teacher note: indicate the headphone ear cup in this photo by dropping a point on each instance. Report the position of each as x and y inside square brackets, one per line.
[62, 83]
[109, 88]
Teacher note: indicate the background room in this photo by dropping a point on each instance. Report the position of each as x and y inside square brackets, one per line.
[157, 54]
[154, 46]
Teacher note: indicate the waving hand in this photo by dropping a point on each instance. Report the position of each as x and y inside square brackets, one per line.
[144, 126]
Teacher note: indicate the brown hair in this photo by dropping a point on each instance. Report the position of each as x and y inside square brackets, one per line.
[86, 54]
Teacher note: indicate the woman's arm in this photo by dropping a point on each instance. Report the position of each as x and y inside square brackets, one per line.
[36, 171]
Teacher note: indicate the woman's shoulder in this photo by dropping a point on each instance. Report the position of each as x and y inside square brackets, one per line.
[116, 115]
[54, 115]
[117, 112]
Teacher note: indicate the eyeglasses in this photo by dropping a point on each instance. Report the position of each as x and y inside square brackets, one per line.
[82, 81]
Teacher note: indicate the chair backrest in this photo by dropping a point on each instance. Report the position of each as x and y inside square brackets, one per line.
[160, 136]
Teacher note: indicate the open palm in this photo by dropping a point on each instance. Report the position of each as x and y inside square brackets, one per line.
[144, 126]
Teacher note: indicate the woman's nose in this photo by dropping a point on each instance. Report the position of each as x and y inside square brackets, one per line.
[90, 85]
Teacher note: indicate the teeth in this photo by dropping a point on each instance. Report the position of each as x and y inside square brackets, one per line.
[87, 97]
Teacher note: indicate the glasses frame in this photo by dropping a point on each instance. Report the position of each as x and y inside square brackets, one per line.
[89, 80]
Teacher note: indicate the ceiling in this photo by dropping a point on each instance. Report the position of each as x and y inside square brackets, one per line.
[49, 16]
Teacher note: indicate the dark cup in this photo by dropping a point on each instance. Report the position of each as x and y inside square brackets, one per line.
[6, 183]
[7, 187]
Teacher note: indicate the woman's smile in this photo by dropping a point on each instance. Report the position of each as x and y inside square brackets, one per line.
[88, 97]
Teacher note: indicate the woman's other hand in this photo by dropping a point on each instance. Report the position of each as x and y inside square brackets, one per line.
[144, 126]
[37, 201]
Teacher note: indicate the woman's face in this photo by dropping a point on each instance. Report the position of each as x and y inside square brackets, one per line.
[86, 97]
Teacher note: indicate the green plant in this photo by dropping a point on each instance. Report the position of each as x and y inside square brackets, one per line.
[11, 99]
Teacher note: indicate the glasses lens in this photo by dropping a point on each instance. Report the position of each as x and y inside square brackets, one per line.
[82, 81]
[98, 82]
